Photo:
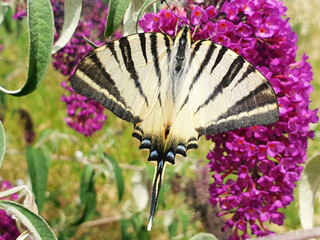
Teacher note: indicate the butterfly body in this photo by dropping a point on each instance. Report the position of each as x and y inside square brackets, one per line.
[174, 91]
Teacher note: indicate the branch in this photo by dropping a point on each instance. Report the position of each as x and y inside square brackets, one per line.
[295, 235]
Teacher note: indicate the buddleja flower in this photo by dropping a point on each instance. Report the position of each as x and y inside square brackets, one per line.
[8, 228]
[255, 169]
[84, 115]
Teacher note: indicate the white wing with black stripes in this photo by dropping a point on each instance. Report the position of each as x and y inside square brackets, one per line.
[118, 74]
[223, 92]
[174, 91]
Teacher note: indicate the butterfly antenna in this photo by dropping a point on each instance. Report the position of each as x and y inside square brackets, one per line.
[197, 26]
[156, 186]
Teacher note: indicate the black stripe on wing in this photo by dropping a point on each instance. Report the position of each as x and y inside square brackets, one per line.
[142, 37]
[155, 56]
[232, 72]
[250, 69]
[233, 124]
[129, 63]
[204, 63]
[259, 98]
[195, 49]
[110, 45]
[87, 90]
[221, 53]
[97, 73]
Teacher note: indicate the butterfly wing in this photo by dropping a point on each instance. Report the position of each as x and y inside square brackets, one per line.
[129, 77]
[124, 75]
[217, 91]
[222, 92]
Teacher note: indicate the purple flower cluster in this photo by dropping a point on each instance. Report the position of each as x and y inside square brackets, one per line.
[254, 169]
[84, 115]
[8, 228]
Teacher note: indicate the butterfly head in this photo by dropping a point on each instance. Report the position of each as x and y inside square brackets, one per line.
[184, 36]
[181, 49]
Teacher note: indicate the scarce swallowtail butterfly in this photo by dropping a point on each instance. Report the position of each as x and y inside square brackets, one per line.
[174, 91]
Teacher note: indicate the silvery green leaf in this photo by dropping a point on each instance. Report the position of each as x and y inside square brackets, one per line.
[37, 226]
[131, 17]
[41, 33]
[139, 191]
[72, 11]
[2, 143]
[204, 236]
[117, 9]
[309, 183]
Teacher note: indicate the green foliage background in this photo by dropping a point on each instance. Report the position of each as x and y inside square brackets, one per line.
[121, 219]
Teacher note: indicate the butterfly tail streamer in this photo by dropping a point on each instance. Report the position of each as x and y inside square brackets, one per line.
[156, 187]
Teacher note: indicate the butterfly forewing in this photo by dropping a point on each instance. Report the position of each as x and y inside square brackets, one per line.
[223, 92]
[125, 75]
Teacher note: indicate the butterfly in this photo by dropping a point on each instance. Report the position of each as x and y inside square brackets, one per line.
[175, 90]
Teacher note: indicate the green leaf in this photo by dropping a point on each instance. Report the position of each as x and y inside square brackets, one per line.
[117, 9]
[184, 219]
[34, 223]
[2, 12]
[309, 183]
[118, 174]
[139, 227]
[94, 46]
[38, 167]
[88, 195]
[72, 12]
[125, 234]
[204, 236]
[2, 143]
[173, 227]
[47, 154]
[41, 31]
[3, 105]
[7, 22]
[130, 26]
